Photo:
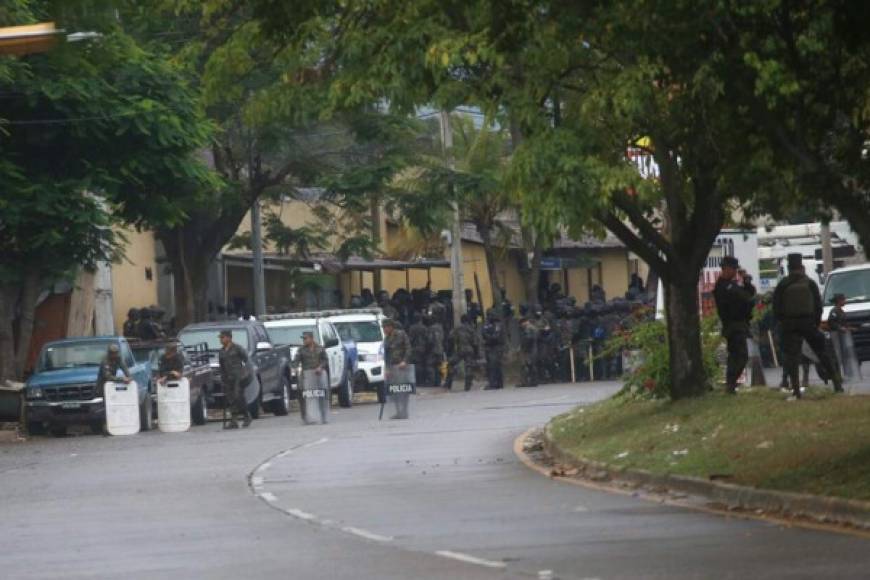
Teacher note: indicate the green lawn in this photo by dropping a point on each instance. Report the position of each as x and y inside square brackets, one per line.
[819, 445]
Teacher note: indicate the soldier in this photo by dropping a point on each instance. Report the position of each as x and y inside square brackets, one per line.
[735, 298]
[131, 325]
[109, 368]
[312, 357]
[839, 328]
[466, 350]
[528, 353]
[494, 343]
[397, 353]
[171, 364]
[418, 334]
[435, 357]
[388, 309]
[148, 328]
[797, 305]
[235, 376]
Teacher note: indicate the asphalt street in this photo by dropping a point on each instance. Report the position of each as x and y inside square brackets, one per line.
[438, 496]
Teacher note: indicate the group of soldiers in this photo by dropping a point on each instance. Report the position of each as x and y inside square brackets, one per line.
[797, 311]
[145, 323]
[548, 338]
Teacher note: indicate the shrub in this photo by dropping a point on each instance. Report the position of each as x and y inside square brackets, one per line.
[651, 378]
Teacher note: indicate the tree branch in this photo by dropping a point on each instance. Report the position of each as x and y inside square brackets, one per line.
[637, 245]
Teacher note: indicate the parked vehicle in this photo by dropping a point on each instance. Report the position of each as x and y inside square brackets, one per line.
[63, 389]
[286, 330]
[270, 364]
[363, 326]
[197, 370]
[854, 283]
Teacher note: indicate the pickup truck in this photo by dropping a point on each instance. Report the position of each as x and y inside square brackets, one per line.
[197, 370]
[62, 390]
[270, 364]
[854, 283]
[287, 329]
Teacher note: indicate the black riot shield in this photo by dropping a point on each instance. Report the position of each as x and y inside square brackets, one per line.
[400, 387]
[315, 397]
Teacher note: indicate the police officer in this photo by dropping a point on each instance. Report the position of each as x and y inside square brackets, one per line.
[494, 343]
[131, 325]
[109, 367]
[418, 334]
[312, 357]
[797, 305]
[466, 350]
[839, 327]
[397, 354]
[148, 328]
[528, 353]
[171, 365]
[235, 376]
[435, 357]
[734, 301]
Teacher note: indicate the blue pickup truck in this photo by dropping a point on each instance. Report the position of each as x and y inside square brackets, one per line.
[62, 390]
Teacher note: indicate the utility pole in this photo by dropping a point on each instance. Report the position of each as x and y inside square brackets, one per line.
[456, 231]
[256, 240]
[827, 251]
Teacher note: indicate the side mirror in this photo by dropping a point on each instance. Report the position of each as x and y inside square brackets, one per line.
[331, 342]
[264, 346]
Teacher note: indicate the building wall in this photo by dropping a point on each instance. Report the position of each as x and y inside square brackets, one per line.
[134, 280]
[614, 272]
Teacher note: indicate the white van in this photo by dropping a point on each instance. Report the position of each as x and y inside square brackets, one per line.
[364, 327]
[287, 329]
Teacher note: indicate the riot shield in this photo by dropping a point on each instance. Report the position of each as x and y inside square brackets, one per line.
[400, 387]
[315, 397]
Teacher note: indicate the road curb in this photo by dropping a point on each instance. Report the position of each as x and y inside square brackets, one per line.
[826, 510]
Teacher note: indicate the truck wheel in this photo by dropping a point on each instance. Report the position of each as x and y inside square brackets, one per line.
[58, 430]
[200, 409]
[36, 428]
[96, 427]
[146, 414]
[345, 391]
[282, 406]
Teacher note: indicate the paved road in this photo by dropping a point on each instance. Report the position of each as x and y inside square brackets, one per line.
[439, 496]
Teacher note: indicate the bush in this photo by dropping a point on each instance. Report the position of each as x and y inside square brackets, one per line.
[652, 378]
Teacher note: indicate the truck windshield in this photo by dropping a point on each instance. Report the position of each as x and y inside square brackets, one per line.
[854, 285]
[365, 331]
[210, 337]
[67, 356]
[292, 335]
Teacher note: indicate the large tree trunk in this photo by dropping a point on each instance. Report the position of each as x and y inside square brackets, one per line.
[688, 377]
[489, 253]
[30, 289]
[8, 300]
[190, 277]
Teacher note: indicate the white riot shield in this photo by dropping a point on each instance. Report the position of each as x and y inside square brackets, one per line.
[316, 397]
[173, 405]
[400, 386]
[122, 408]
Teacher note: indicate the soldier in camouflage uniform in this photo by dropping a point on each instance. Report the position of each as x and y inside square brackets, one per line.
[397, 355]
[418, 334]
[235, 376]
[495, 344]
[435, 358]
[312, 357]
[466, 351]
[171, 364]
[109, 367]
[529, 353]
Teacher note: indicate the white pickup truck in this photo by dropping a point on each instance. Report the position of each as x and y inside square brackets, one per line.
[287, 329]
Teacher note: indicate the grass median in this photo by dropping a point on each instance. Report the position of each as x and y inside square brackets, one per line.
[819, 445]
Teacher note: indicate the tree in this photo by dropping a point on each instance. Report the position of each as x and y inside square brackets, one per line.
[801, 68]
[578, 84]
[95, 133]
